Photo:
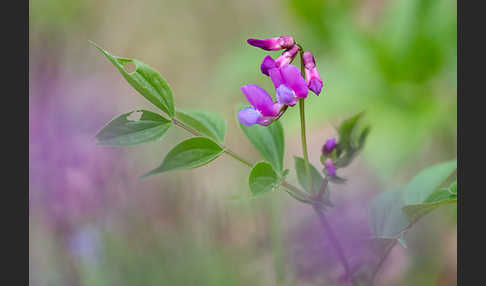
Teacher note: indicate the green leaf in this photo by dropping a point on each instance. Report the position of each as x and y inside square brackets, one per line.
[438, 198]
[188, 154]
[269, 141]
[427, 181]
[146, 80]
[133, 128]
[387, 220]
[209, 124]
[345, 132]
[453, 188]
[302, 176]
[263, 178]
[392, 213]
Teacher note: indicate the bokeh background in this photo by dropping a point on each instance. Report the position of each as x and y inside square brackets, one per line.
[93, 221]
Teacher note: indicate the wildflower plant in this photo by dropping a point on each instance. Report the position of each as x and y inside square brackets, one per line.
[392, 213]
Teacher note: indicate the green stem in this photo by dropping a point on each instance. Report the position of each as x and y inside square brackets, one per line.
[302, 129]
[293, 191]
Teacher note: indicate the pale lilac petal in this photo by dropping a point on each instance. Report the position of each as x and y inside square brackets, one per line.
[276, 77]
[249, 116]
[285, 95]
[293, 79]
[267, 64]
[259, 99]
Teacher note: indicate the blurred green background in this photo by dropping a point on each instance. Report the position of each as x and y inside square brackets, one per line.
[395, 59]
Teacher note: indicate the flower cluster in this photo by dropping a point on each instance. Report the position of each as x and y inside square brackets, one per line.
[289, 83]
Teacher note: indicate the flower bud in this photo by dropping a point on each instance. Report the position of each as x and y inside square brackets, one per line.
[331, 169]
[273, 44]
[287, 56]
[312, 77]
[329, 146]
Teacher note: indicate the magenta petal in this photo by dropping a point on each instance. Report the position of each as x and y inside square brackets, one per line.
[249, 116]
[259, 99]
[269, 44]
[267, 64]
[293, 79]
[276, 77]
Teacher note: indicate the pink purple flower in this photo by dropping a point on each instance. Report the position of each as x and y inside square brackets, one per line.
[312, 77]
[287, 79]
[272, 44]
[263, 110]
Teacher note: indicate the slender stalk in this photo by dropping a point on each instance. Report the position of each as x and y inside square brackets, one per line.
[334, 242]
[293, 191]
[302, 128]
[380, 263]
[304, 144]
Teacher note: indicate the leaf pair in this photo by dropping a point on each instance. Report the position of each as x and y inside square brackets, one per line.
[393, 212]
[142, 126]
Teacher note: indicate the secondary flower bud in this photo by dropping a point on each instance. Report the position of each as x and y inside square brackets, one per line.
[312, 77]
[272, 44]
[331, 169]
[329, 146]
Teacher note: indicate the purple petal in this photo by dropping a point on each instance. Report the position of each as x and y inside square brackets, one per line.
[329, 146]
[285, 95]
[329, 164]
[293, 79]
[267, 64]
[276, 77]
[259, 99]
[249, 116]
[315, 85]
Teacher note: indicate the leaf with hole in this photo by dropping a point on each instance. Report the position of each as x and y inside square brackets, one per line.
[269, 141]
[188, 154]
[146, 80]
[133, 128]
[209, 124]
[262, 179]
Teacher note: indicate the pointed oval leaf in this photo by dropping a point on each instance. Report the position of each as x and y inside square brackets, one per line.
[209, 124]
[188, 154]
[133, 128]
[146, 80]
[387, 220]
[269, 141]
[427, 181]
[262, 179]
[302, 176]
